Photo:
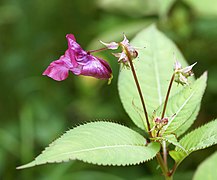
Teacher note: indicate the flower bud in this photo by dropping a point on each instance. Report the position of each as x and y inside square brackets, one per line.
[182, 74]
[159, 123]
[128, 51]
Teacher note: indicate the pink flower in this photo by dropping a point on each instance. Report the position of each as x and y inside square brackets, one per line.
[79, 62]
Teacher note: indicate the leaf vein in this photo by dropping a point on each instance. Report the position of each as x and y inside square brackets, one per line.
[101, 147]
[182, 106]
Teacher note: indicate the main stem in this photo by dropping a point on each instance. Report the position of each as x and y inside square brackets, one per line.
[164, 148]
[161, 163]
[139, 89]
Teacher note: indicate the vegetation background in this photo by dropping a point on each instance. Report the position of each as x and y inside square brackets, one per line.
[35, 110]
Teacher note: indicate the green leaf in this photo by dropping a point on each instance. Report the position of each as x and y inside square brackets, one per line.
[204, 8]
[201, 138]
[178, 156]
[207, 169]
[102, 143]
[136, 8]
[183, 107]
[188, 123]
[154, 68]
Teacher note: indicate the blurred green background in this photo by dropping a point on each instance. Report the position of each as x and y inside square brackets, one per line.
[35, 110]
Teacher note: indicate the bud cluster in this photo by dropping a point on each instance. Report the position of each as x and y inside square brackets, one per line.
[160, 123]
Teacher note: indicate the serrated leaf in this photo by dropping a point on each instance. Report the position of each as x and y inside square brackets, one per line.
[154, 68]
[183, 107]
[201, 138]
[188, 123]
[102, 143]
[207, 169]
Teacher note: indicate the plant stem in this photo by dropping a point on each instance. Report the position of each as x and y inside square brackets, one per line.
[167, 96]
[163, 161]
[139, 89]
[164, 152]
[173, 169]
[97, 50]
[163, 167]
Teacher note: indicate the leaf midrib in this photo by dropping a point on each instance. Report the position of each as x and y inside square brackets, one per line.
[156, 69]
[158, 80]
[100, 148]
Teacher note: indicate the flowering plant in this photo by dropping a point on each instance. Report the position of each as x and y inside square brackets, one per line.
[163, 111]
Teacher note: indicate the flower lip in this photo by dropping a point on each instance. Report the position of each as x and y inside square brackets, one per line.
[79, 62]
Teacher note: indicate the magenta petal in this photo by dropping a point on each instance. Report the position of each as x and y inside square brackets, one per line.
[70, 36]
[76, 51]
[106, 66]
[57, 70]
[73, 46]
[97, 68]
[69, 58]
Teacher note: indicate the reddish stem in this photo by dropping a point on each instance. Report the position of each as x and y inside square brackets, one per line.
[97, 50]
[167, 96]
[139, 89]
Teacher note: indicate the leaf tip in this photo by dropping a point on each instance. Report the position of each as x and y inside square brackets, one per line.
[205, 74]
[152, 27]
[28, 165]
